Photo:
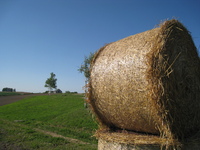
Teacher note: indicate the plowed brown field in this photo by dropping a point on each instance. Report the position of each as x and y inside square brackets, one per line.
[4, 100]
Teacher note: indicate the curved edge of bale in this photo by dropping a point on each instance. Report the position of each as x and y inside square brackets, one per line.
[163, 73]
[102, 123]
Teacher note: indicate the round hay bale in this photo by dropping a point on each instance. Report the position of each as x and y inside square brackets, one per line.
[111, 140]
[148, 82]
[112, 145]
[107, 145]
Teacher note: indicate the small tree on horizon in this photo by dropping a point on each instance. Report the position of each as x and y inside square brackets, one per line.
[51, 82]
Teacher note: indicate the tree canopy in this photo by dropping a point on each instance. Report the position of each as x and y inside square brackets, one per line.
[8, 90]
[85, 67]
[51, 82]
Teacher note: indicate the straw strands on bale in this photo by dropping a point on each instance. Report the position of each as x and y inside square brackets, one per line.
[149, 83]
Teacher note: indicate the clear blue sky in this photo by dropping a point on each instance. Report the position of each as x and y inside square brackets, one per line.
[38, 37]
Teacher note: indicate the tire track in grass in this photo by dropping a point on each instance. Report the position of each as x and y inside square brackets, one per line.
[72, 140]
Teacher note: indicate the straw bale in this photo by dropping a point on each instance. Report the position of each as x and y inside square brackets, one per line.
[109, 140]
[149, 83]
[107, 145]
[132, 141]
[134, 138]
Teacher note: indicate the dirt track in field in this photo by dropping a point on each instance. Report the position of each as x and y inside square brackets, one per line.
[4, 100]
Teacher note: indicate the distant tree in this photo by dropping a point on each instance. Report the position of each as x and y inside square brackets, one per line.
[51, 82]
[85, 67]
[74, 92]
[6, 89]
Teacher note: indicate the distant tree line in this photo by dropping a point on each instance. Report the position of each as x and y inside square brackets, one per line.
[6, 89]
[68, 92]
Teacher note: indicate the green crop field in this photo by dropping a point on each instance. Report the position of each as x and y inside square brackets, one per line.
[14, 93]
[9, 93]
[53, 122]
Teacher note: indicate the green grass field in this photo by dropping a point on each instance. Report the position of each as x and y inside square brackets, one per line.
[50, 122]
[14, 93]
[9, 93]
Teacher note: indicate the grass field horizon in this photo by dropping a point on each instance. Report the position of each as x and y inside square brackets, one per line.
[16, 93]
[50, 122]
